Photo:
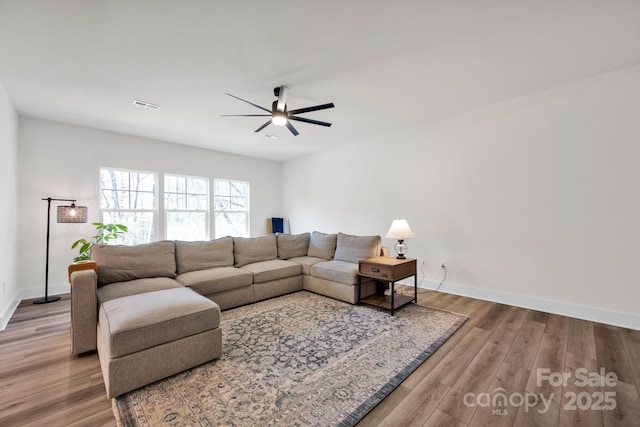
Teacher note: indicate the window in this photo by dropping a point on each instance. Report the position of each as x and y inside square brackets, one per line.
[231, 208]
[172, 207]
[186, 204]
[129, 198]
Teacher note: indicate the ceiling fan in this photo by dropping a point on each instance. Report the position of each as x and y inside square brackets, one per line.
[279, 114]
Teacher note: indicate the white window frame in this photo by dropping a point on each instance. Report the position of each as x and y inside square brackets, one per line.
[206, 211]
[247, 212]
[154, 211]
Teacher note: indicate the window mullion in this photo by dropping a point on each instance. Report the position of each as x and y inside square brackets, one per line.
[162, 216]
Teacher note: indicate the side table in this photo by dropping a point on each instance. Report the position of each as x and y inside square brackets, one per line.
[390, 270]
[81, 265]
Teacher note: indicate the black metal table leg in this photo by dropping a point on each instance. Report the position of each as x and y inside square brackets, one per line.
[393, 294]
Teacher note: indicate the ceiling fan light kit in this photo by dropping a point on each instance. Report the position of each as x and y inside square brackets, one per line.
[279, 119]
[279, 114]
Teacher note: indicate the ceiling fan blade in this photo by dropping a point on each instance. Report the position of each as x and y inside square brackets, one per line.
[251, 103]
[245, 115]
[314, 108]
[304, 119]
[292, 129]
[263, 126]
[282, 98]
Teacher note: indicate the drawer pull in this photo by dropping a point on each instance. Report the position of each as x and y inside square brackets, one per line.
[375, 270]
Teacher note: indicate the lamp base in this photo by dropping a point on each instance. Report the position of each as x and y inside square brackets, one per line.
[401, 249]
[47, 300]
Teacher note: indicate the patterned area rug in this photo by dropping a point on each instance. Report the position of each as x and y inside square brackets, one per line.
[301, 359]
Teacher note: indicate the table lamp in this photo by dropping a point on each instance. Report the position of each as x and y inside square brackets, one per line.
[400, 230]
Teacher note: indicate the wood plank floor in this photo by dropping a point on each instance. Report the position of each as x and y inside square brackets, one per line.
[499, 349]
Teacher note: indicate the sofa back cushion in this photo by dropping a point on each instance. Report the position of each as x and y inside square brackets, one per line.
[322, 245]
[193, 256]
[354, 248]
[247, 250]
[292, 246]
[119, 263]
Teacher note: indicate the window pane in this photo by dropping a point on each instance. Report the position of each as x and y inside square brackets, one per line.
[187, 226]
[238, 204]
[110, 199]
[130, 191]
[170, 184]
[186, 207]
[221, 188]
[141, 226]
[198, 203]
[174, 201]
[231, 207]
[127, 190]
[221, 203]
[114, 179]
[141, 200]
[197, 186]
[238, 189]
[143, 182]
[231, 224]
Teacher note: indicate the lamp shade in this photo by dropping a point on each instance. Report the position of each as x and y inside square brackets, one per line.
[400, 230]
[72, 213]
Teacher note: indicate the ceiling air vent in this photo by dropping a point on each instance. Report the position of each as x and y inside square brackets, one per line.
[146, 104]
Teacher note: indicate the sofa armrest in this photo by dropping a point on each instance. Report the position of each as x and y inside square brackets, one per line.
[84, 311]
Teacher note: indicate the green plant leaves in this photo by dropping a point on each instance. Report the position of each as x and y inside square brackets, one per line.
[106, 232]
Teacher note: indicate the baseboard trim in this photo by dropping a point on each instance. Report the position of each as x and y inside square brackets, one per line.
[593, 314]
[29, 294]
[8, 313]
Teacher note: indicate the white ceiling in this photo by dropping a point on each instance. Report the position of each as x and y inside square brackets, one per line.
[387, 65]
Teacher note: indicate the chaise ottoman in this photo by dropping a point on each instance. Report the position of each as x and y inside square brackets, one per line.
[144, 338]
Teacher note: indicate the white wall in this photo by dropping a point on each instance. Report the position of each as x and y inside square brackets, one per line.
[533, 202]
[62, 161]
[9, 202]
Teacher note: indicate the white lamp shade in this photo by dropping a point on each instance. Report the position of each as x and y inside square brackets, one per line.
[400, 230]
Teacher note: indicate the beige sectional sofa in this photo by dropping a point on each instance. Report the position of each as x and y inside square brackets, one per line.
[229, 271]
[153, 310]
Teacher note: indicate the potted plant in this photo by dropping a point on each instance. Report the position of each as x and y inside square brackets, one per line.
[105, 233]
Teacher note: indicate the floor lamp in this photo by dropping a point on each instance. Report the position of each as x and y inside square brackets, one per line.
[66, 214]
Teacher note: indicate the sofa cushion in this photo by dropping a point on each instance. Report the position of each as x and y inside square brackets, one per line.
[322, 245]
[140, 322]
[336, 271]
[306, 262]
[266, 271]
[354, 248]
[135, 287]
[247, 250]
[119, 263]
[290, 246]
[214, 280]
[192, 256]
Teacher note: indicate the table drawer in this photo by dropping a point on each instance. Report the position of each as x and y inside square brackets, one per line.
[376, 271]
